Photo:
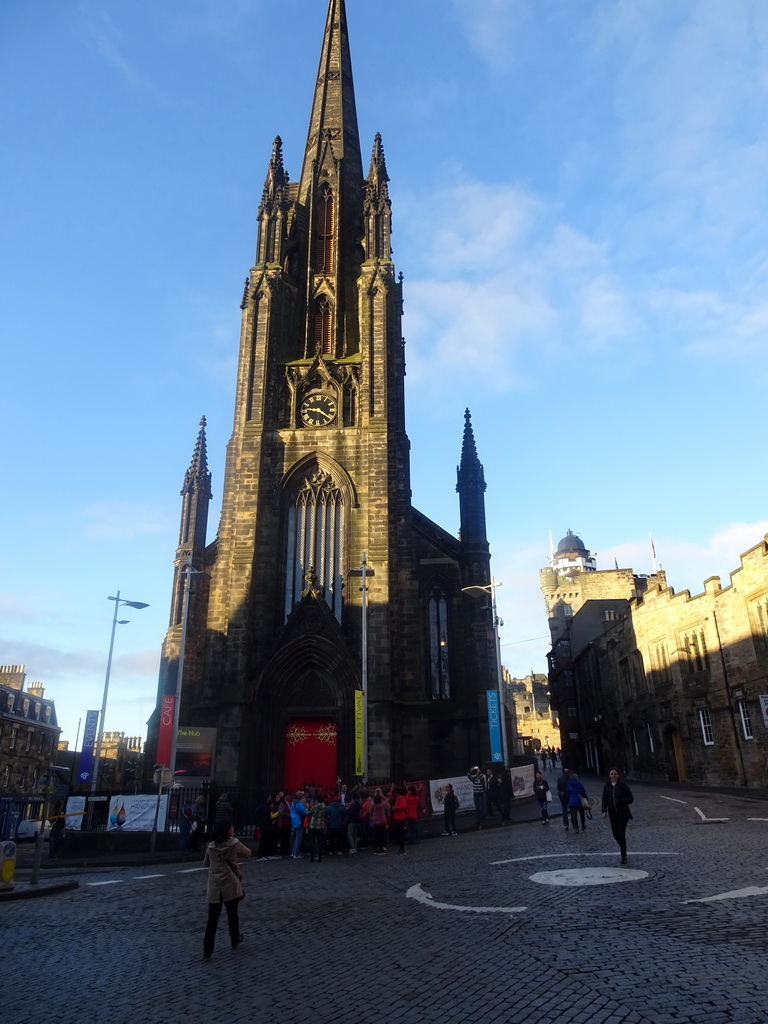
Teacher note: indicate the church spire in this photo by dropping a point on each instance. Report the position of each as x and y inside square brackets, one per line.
[195, 494]
[333, 121]
[377, 206]
[197, 478]
[471, 489]
[272, 210]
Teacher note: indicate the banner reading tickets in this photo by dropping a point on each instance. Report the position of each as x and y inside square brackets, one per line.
[135, 813]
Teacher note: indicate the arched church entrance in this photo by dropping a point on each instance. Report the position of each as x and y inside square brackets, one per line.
[311, 752]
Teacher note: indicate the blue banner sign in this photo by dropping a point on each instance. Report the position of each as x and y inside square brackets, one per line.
[85, 769]
[494, 725]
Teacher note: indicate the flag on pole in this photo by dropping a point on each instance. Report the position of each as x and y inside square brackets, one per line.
[653, 550]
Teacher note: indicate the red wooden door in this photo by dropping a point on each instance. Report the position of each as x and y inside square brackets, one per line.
[310, 752]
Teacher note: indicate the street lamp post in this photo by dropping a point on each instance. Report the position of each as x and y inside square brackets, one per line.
[365, 573]
[490, 588]
[115, 622]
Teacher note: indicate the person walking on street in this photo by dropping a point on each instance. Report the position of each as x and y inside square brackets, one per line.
[541, 792]
[578, 801]
[617, 796]
[477, 779]
[450, 806]
[225, 885]
[562, 785]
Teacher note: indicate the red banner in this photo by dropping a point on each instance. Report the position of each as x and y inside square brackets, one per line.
[166, 730]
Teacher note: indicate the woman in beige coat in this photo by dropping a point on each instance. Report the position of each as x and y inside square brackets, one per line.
[224, 885]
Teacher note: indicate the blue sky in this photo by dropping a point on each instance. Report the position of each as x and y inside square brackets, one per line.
[580, 214]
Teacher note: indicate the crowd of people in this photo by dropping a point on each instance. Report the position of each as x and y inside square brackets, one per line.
[318, 823]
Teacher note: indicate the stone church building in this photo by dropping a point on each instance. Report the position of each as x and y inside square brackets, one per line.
[278, 617]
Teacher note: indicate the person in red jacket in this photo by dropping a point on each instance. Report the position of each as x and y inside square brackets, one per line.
[411, 814]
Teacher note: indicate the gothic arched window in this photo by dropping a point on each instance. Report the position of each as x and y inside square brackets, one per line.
[322, 327]
[315, 539]
[324, 233]
[438, 645]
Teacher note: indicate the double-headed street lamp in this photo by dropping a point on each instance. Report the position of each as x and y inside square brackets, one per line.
[490, 588]
[115, 622]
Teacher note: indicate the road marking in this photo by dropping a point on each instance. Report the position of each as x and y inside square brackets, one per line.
[137, 878]
[734, 894]
[417, 893]
[757, 819]
[111, 881]
[188, 871]
[606, 853]
[674, 800]
[705, 820]
[588, 876]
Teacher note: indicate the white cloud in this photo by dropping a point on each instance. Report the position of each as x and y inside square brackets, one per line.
[102, 36]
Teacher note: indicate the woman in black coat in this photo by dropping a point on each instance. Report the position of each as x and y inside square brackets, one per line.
[617, 796]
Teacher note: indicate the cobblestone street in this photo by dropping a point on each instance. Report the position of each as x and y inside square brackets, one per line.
[527, 923]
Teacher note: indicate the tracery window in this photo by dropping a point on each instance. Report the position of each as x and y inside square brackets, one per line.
[438, 645]
[315, 539]
[324, 232]
[322, 327]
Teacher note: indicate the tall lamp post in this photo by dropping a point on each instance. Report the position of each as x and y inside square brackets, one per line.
[490, 588]
[365, 573]
[115, 622]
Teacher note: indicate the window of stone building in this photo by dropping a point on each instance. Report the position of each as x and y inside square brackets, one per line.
[746, 720]
[643, 680]
[23, 777]
[571, 711]
[627, 684]
[760, 621]
[6, 776]
[25, 707]
[695, 646]
[38, 705]
[35, 778]
[707, 732]
[14, 737]
[568, 610]
[651, 744]
[635, 744]
[439, 669]
[315, 539]
[324, 232]
[9, 702]
[660, 667]
[40, 738]
[322, 327]
[47, 713]
[30, 734]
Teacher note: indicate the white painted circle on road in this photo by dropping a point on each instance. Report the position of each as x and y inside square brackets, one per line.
[588, 876]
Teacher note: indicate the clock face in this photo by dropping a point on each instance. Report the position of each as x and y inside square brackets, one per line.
[318, 410]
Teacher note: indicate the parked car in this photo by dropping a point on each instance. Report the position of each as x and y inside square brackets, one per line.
[28, 830]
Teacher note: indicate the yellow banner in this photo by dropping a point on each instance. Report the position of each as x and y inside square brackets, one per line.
[358, 732]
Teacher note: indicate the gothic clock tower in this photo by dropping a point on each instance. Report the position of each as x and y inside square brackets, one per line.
[317, 477]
